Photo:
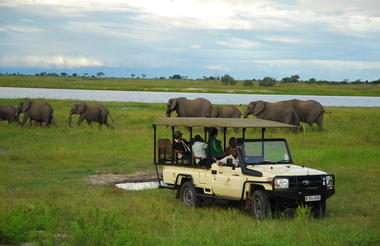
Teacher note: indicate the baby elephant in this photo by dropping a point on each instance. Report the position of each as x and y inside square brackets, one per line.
[97, 113]
[9, 113]
[225, 112]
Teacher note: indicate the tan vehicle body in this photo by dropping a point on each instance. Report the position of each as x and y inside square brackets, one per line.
[229, 182]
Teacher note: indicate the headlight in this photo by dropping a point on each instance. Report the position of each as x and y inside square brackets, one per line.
[329, 181]
[281, 183]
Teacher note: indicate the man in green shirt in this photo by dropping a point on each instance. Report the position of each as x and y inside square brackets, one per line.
[215, 145]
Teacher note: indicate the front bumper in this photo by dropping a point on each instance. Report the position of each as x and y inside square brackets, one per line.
[298, 195]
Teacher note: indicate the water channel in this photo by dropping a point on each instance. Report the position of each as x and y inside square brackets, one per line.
[162, 97]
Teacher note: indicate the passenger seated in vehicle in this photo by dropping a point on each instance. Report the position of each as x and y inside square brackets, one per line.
[231, 145]
[233, 156]
[215, 145]
[181, 148]
[199, 152]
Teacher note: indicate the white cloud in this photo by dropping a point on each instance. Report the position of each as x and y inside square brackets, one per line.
[217, 68]
[331, 64]
[49, 62]
[237, 43]
[280, 39]
[19, 29]
[195, 46]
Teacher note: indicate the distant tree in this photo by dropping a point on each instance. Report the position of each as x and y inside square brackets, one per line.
[267, 81]
[248, 82]
[228, 80]
[375, 81]
[133, 75]
[99, 74]
[176, 76]
[85, 74]
[63, 74]
[312, 80]
[291, 79]
[143, 75]
[162, 77]
[74, 75]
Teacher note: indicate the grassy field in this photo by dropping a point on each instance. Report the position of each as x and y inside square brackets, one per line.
[189, 86]
[44, 198]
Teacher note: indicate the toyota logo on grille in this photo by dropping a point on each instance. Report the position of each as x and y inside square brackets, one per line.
[306, 182]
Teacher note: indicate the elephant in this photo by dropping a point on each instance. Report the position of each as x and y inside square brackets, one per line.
[37, 111]
[184, 107]
[9, 113]
[309, 111]
[279, 111]
[225, 112]
[91, 113]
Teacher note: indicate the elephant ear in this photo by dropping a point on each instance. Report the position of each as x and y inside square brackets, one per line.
[259, 107]
[173, 104]
[26, 106]
[82, 107]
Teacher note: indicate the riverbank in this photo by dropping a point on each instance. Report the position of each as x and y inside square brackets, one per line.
[199, 86]
[45, 197]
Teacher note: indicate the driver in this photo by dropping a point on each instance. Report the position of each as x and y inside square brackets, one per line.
[233, 156]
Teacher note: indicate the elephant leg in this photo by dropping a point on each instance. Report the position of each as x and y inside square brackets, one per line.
[81, 118]
[320, 122]
[89, 122]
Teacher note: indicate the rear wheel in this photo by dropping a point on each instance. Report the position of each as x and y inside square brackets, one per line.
[188, 194]
[260, 205]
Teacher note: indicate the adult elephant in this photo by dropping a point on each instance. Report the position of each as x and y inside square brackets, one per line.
[91, 113]
[279, 111]
[9, 113]
[309, 111]
[41, 112]
[184, 107]
[225, 112]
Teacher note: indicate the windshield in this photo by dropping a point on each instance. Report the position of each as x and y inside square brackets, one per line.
[268, 151]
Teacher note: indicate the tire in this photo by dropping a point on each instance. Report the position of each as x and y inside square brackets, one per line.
[318, 210]
[188, 194]
[260, 205]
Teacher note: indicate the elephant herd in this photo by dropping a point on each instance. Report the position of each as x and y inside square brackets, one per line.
[290, 112]
[42, 112]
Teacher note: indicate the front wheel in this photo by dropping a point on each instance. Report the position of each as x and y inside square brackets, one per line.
[188, 194]
[318, 210]
[260, 205]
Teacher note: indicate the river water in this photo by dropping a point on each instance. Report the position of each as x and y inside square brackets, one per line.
[162, 97]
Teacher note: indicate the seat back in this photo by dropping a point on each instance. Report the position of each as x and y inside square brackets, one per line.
[165, 150]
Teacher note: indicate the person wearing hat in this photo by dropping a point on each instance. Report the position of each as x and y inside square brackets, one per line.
[181, 148]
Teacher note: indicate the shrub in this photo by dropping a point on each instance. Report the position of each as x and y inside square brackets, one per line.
[228, 80]
[248, 83]
[268, 82]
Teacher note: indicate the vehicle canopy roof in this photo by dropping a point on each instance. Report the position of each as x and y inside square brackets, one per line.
[220, 122]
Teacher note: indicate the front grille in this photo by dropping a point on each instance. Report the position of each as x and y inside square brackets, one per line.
[306, 182]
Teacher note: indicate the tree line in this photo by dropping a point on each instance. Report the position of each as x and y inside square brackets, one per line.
[225, 79]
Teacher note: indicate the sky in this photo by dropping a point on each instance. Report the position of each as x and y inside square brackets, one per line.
[322, 39]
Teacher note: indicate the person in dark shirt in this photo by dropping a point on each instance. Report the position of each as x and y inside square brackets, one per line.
[181, 148]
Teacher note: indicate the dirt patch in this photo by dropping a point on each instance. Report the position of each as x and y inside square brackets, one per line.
[110, 178]
[3, 150]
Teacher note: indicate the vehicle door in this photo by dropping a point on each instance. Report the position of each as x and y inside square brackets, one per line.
[226, 181]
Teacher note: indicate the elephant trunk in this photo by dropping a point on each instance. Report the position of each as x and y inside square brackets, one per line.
[168, 113]
[69, 119]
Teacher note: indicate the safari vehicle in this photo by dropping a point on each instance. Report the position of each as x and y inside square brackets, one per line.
[265, 182]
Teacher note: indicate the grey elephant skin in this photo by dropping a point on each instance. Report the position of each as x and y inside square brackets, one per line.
[309, 111]
[184, 107]
[91, 113]
[279, 111]
[9, 113]
[225, 112]
[41, 112]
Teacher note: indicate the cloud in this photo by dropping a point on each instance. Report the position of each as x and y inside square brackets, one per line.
[237, 43]
[331, 64]
[50, 62]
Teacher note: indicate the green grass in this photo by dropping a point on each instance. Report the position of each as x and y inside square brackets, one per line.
[188, 86]
[45, 200]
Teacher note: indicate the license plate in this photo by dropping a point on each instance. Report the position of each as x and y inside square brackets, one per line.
[312, 198]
